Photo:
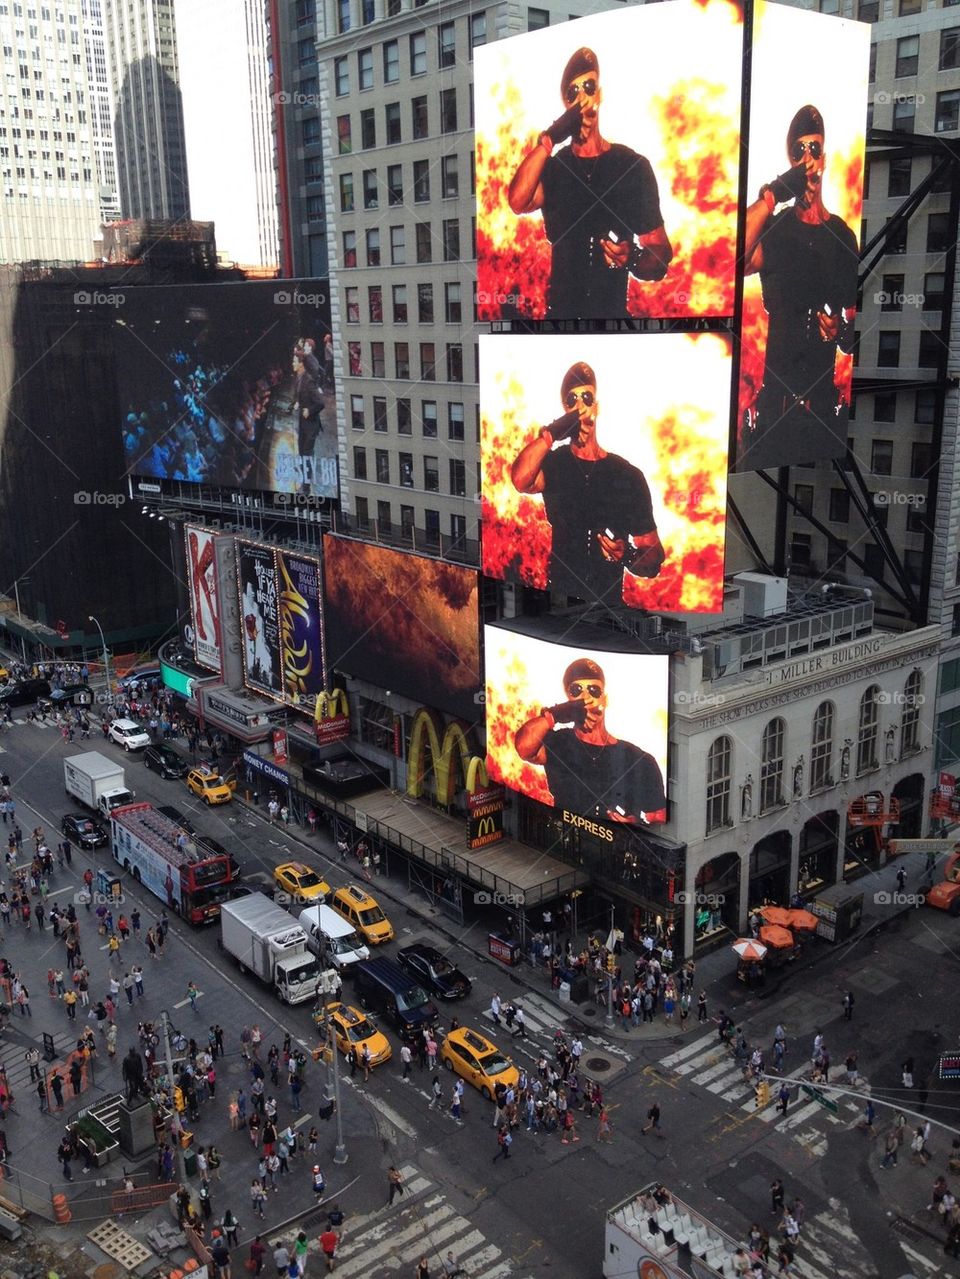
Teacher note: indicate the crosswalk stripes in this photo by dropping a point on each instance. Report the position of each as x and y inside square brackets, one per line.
[395, 1238]
[18, 1071]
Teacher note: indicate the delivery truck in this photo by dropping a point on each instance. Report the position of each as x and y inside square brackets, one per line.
[97, 782]
[263, 938]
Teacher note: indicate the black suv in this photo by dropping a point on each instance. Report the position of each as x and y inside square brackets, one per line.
[434, 971]
[166, 761]
[382, 985]
[22, 694]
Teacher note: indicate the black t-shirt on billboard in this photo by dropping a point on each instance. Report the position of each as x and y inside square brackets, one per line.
[589, 779]
[585, 198]
[582, 499]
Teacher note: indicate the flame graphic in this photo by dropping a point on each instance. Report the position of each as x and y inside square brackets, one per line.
[691, 135]
[685, 465]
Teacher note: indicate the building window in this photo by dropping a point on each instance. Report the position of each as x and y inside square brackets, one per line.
[821, 747]
[934, 284]
[373, 246]
[888, 349]
[352, 300]
[801, 546]
[380, 419]
[931, 348]
[921, 461]
[872, 64]
[398, 246]
[428, 362]
[401, 359]
[451, 240]
[537, 19]
[375, 303]
[458, 477]
[909, 6]
[890, 296]
[406, 522]
[885, 406]
[449, 178]
[356, 414]
[418, 53]
[948, 111]
[868, 730]
[343, 16]
[354, 361]
[419, 115]
[904, 111]
[448, 110]
[896, 236]
[881, 457]
[371, 198]
[367, 12]
[392, 116]
[391, 62]
[341, 76]
[346, 192]
[314, 208]
[839, 506]
[359, 462]
[431, 523]
[344, 140]
[399, 304]
[368, 129]
[394, 184]
[908, 56]
[771, 766]
[836, 554]
[955, 624]
[383, 517]
[428, 419]
[925, 407]
[478, 30]
[421, 181]
[383, 466]
[868, 10]
[424, 242]
[899, 177]
[431, 474]
[719, 759]
[404, 417]
[447, 43]
[455, 421]
[454, 362]
[310, 130]
[406, 470]
[378, 362]
[349, 248]
[910, 720]
[365, 68]
[452, 305]
[938, 232]
[361, 512]
[950, 49]
[803, 496]
[425, 303]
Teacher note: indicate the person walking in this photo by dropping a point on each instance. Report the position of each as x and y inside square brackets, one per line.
[395, 1183]
[603, 1128]
[192, 993]
[783, 1098]
[258, 1197]
[702, 1006]
[653, 1121]
[890, 1146]
[776, 1198]
[406, 1057]
[901, 879]
[504, 1142]
[257, 1253]
[328, 1246]
[848, 1006]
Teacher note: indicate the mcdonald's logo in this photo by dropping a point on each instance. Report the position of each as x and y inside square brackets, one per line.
[426, 735]
[485, 826]
[330, 705]
[484, 830]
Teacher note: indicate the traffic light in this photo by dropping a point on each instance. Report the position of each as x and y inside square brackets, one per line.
[762, 1094]
[611, 963]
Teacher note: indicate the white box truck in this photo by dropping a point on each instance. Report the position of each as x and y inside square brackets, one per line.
[97, 782]
[263, 938]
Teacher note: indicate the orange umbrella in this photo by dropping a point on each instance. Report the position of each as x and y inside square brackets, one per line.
[776, 915]
[774, 935]
[749, 949]
[805, 920]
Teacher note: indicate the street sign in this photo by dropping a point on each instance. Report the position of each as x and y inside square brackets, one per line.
[898, 847]
[949, 1065]
[816, 1095]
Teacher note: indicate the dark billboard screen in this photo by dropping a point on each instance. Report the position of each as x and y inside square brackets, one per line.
[405, 621]
[301, 628]
[224, 384]
[258, 610]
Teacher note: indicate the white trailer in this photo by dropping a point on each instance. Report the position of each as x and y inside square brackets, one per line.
[97, 782]
[262, 937]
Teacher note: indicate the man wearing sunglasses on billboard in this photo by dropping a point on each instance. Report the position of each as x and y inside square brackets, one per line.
[598, 504]
[807, 260]
[600, 203]
[589, 771]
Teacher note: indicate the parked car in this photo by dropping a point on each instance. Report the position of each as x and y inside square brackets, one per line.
[128, 734]
[167, 761]
[84, 831]
[434, 971]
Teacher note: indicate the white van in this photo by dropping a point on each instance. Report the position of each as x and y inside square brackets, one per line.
[331, 938]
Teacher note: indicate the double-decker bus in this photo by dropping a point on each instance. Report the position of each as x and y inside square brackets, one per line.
[189, 874]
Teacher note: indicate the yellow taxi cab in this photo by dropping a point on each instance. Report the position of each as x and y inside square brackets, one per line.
[362, 910]
[478, 1060]
[302, 883]
[209, 786]
[352, 1029]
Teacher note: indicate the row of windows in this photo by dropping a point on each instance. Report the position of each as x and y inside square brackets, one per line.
[457, 471]
[423, 243]
[819, 774]
[417, 42]
[385, 526]
[908, 53]
[400, 305]
[885, 404]
[377, 365]
[370, 184]
[938, 239]
[946, 115]
[393, 122]
[870, 10]
[415, 50]
[929, 351]
[900, 177]
[425, 416]
[868, 557]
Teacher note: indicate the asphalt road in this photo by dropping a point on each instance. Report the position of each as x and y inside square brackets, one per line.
[542, 1211]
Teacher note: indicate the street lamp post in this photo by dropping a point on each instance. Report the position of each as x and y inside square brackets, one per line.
[106, 655]
[325, 987]
[608, 1020]
[168, 1058]
[16, 592]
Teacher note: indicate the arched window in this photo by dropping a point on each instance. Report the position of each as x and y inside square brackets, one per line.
[821, 747]
[910, 720]
[719, 764]
[868, 730]
[771, 765]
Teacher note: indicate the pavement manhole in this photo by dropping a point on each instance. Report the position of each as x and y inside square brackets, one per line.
[598, 1064]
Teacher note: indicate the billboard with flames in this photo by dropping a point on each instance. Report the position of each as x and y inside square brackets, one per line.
[805, 195]
[580, 729]
[604, 465]
[607, 165]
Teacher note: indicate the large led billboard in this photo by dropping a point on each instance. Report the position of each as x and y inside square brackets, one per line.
[257, 575]
[301, 628]
[580, 729]
[223, 384]
[805, 194]
[607, 165]
[204, 599]
[404, 621]
[604, 465]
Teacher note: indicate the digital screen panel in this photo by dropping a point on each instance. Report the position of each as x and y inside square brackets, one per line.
[805, 195]
[578, 729]
[301, 628]
[405, 621]
[204, 600]
[607, 165]
[604, 465]
[225, 384]
[257, 575]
